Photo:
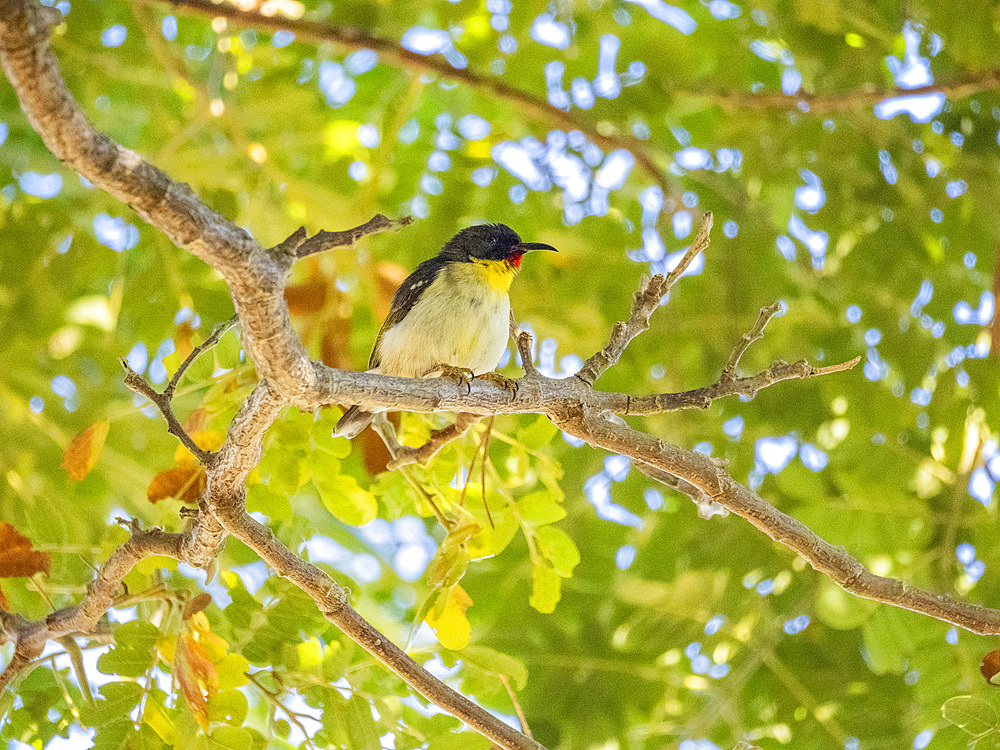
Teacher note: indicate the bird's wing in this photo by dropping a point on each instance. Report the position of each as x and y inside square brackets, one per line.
[405, 298]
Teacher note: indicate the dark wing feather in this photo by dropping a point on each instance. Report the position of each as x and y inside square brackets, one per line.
[406, 297]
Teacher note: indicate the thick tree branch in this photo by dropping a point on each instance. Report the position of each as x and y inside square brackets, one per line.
[647, 299]
[30, 637]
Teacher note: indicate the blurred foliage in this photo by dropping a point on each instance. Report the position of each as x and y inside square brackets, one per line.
[646, 634]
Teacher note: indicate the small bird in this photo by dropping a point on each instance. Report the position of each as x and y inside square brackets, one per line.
[451, 316]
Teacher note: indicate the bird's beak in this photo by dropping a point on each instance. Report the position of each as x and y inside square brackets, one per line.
[527, 247]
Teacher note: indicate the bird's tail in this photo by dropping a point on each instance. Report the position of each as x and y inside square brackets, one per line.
[353, 422]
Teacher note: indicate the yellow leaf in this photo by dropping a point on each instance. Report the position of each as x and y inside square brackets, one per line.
[207, 440]
[452, 626]
[82, 452]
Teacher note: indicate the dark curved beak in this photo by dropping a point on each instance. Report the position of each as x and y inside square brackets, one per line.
[527, 247]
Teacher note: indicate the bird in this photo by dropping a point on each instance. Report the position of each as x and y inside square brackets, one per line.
[451, 316]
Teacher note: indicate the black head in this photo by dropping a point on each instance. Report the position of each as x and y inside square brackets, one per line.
[490, 242]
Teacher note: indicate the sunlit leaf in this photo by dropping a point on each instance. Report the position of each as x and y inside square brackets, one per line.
[83, 451]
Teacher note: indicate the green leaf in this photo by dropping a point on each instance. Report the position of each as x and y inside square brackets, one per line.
[322, 436]
[229, 706]
[225, 737]
[971, 714]
[132, 654]
[261, 499]
[546, 589]
[117, 700]
[556, 545]
[540, 508]
[287, 470]
[348, 501]
[537, 434]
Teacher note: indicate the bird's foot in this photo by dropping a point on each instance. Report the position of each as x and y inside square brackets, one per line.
[463, 375]
[508, 384]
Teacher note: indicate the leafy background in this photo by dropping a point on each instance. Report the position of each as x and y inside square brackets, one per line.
[617, 615]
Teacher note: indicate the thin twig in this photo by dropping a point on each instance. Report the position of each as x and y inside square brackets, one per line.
[299, 246]
[754, 334]
[422, 454]
[517, 705]
[646, 300]
[135, 382]
[707, 507]
[702, 398]
[217, 333]
[276, 701]
[383, 427]
[523, 340]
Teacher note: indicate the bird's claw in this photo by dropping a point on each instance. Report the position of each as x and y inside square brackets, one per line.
[463, 375]
[508, 384]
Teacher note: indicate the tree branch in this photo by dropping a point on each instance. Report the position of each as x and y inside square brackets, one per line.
[390, 51]
[647, 299]
[135, 382]
[299, 247]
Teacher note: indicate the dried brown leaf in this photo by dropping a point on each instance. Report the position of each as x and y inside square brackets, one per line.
[83, 451]
[307, 298]
[186, 483]
[17, 558]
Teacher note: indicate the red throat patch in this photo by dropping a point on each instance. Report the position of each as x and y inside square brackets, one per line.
[515, 259]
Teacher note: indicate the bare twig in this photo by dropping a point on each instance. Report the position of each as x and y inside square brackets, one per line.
[135, 382]
[517, 705]
[522, 339]
[422, 454]
[383, 427]
[707, 507]
[298, 246]
[754, 334]
[217, 333]
[701, 398]
[647, 299]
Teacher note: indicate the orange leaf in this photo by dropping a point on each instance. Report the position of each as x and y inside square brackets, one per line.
[186, 483]
[306, 298]
[17, 558]
[388, 277]
[196, 676]
[182, 341]
[82, 452]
